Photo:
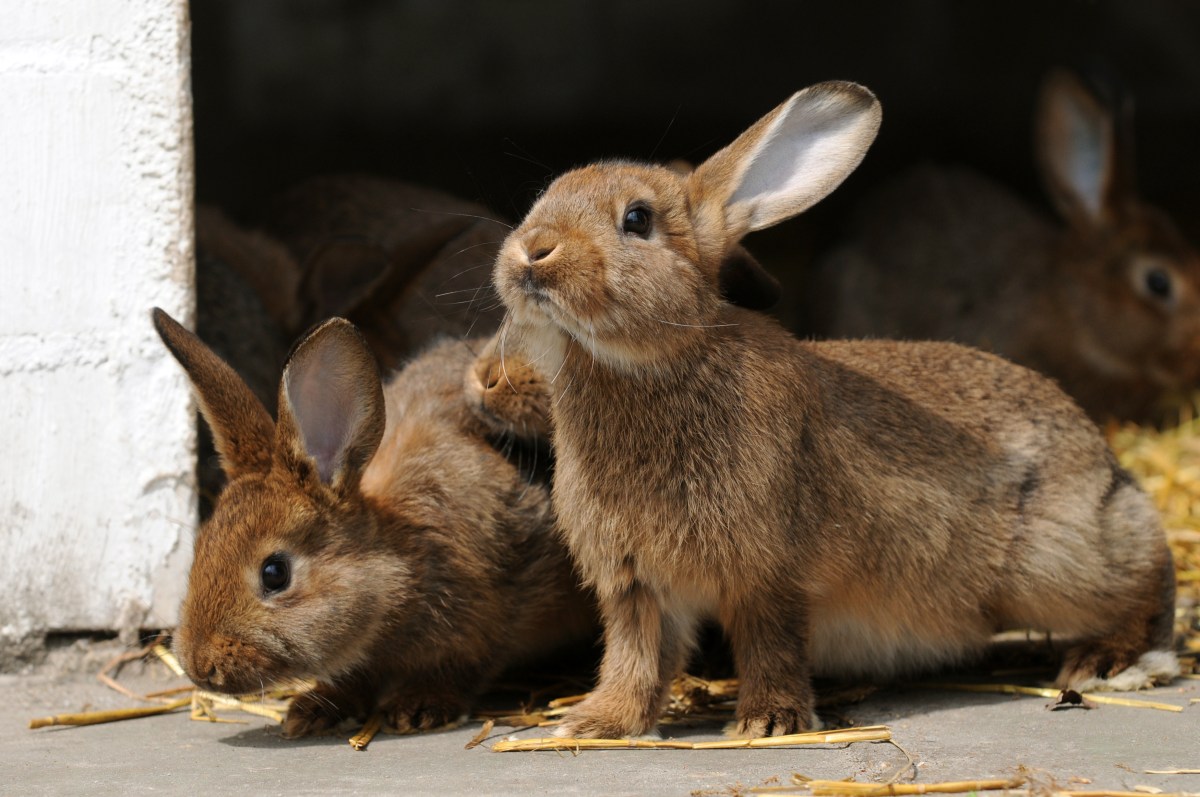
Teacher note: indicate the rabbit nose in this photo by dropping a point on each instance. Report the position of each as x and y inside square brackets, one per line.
[538, 243]
[206, 675]
[529, 281]
[488, 374]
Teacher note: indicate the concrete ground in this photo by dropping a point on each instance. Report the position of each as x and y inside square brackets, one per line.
[951, 736]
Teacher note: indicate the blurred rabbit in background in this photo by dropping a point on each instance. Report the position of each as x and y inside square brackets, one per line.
[1105, 299]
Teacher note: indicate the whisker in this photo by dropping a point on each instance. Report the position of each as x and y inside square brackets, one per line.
[465, 270]
[527, 156]
[471, 326]
[321, 699]
[528, 479]
[472, 300]
[695, 326]
[464, 215]
[561, 365]
[699, 148]
[590, 345]
[459, 290]
[476, 297]
[463, 302]
[668, 130]
[503, 366]
[476, 246]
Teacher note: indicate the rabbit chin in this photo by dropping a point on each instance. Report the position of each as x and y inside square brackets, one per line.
[545, 342]
[540, 323]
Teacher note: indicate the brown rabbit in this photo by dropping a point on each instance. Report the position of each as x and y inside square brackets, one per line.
[407, 264]
[1107, 304]
[371, 539]
[844, 508]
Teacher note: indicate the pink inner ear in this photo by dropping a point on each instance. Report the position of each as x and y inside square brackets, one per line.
[1086, 156]
[813, 142]
[322, 392]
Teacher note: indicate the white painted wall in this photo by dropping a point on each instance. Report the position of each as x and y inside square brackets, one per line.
[97, 500]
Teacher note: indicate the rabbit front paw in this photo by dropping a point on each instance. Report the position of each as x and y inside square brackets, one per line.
[593, 719]
[775, 721]
[422, 712]
[313, 712]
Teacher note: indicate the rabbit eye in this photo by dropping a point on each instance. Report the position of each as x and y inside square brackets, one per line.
[1158, 283]
[275, 574]
[636, 221]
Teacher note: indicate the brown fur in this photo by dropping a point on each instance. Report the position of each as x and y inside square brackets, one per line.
[263, 264]
[845, 508]
[422, 561]
[509, 395]
[947, 254]
[406, 264]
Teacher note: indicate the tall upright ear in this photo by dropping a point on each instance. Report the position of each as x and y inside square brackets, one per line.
[790, 159]
[1077, 149]
[331, 406]
[243, 431]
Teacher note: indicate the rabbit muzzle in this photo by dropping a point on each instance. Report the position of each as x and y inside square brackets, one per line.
[226, 664]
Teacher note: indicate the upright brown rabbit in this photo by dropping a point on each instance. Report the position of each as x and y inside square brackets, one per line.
[843, 508]
[373, 539]
[1107, 301]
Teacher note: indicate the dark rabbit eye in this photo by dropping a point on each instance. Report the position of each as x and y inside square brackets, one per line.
[275, 573]
[636, 221]
[1158, 283]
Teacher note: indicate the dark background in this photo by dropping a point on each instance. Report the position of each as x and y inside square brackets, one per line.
[489, 100]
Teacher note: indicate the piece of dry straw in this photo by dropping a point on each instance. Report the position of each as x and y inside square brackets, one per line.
[1038, 691]
[869, 733]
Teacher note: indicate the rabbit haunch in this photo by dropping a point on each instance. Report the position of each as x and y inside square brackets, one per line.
[849, 508]
[372, 539]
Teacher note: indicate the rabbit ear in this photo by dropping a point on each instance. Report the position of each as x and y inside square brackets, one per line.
[1077, 149]
[791, 158]
[341, 275]
[331, 407]
[243, 431]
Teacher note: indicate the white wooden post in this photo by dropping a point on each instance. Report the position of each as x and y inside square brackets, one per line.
[97, 494]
